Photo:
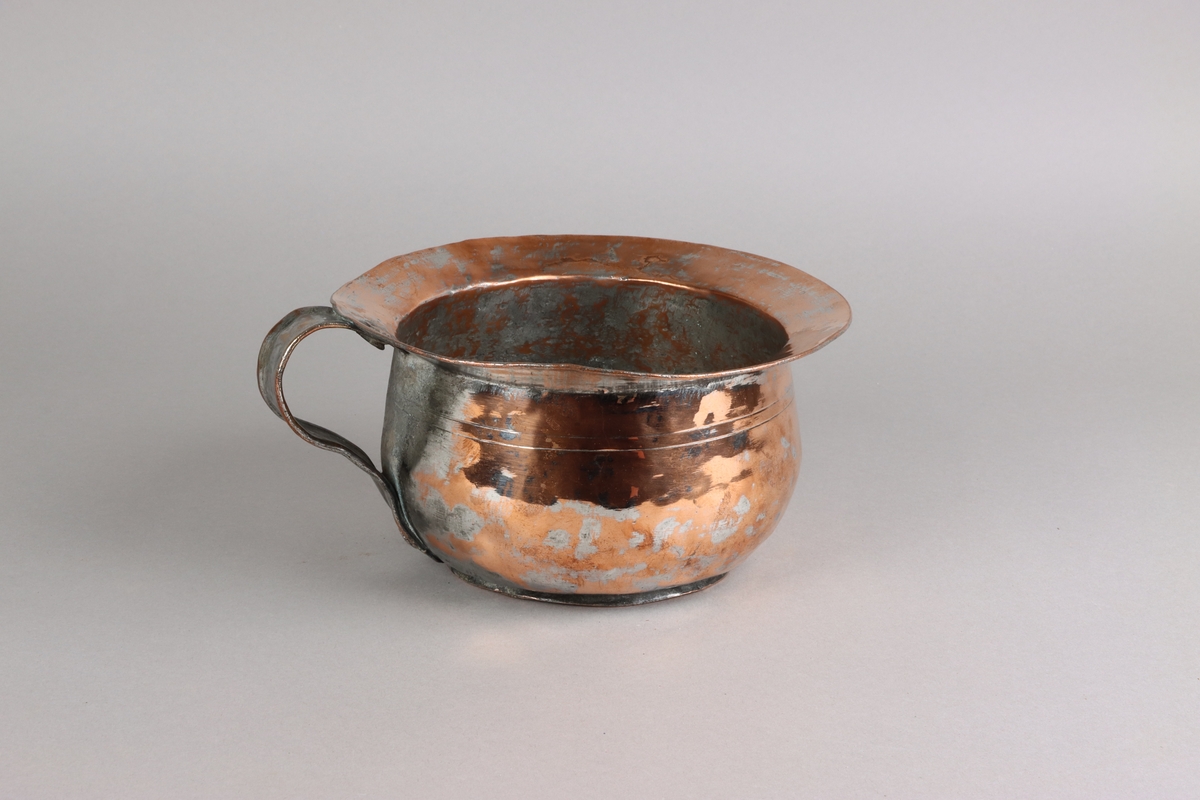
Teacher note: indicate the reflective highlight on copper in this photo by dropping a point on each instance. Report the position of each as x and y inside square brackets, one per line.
[592, 492]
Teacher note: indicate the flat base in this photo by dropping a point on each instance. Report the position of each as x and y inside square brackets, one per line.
[635, 599]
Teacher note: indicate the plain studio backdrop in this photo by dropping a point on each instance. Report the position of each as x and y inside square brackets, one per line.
[987, 583]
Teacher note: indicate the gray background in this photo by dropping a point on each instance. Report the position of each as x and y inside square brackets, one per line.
[987, 584]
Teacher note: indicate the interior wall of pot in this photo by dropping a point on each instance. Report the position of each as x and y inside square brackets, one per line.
[634, 326]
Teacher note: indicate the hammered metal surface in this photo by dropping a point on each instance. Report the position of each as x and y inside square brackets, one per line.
[590, 492]
[581, 419]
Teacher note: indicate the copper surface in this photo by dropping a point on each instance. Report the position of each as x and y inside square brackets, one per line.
[593, 418]
[810, 313]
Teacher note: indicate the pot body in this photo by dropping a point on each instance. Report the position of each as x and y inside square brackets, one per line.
[596, 420]
[633, 488]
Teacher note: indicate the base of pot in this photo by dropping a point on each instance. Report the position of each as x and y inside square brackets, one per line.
[635, 599]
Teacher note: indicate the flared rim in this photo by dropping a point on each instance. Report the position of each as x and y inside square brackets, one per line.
[811, 312]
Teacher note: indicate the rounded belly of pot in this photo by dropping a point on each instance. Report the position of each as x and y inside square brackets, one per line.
[599, 494]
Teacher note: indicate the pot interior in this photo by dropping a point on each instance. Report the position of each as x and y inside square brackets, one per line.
[603, 323]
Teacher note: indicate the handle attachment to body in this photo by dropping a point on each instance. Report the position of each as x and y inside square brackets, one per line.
[273, 358]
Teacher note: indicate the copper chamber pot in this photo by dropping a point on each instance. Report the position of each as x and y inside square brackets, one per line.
[593, 420]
